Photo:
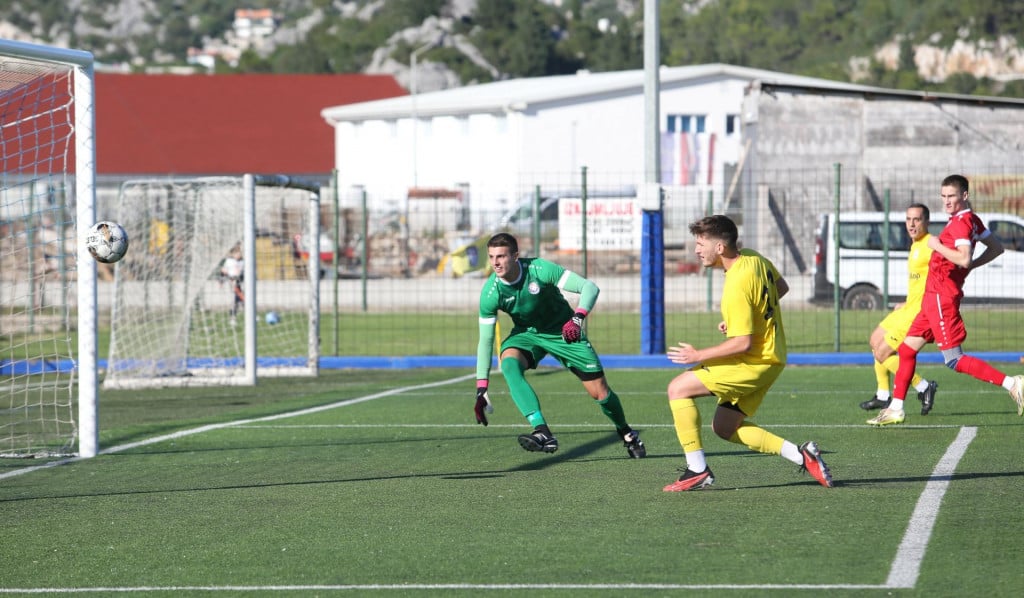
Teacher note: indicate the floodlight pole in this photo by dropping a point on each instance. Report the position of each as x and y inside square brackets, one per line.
[413, 90]
[652, 251]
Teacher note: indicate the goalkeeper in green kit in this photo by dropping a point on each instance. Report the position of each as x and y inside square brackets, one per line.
[529, 290]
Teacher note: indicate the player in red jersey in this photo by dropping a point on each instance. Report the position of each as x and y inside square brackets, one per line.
[939, 320]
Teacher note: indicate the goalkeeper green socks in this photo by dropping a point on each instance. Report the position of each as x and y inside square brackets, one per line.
[612, 409]
[522, 393]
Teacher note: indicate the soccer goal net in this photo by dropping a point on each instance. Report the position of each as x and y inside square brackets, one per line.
[47, 175]
[213, 290]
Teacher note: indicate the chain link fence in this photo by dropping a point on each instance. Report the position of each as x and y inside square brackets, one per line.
[402, 269]
[404, 279]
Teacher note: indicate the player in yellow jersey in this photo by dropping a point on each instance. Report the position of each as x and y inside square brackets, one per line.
[891, 331]
[739, 370]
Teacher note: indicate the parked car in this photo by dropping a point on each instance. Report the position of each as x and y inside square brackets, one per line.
[519, 219]
[862, 260]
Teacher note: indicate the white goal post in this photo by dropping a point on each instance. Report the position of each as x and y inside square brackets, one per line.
[47, 169]
[184, 312]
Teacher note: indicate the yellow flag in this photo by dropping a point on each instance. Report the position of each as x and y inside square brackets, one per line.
[469, 258]
[159, 236]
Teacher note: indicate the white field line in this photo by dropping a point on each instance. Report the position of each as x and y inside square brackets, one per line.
[907, 564]
[902, 575]
[242, 422]
[442, 586]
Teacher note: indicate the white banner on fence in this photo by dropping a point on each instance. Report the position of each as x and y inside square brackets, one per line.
[613, 224]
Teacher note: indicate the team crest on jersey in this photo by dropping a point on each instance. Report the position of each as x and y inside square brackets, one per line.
[533, 288]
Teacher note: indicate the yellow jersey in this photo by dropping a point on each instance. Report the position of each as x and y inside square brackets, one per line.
[917, 271]
[750, 305]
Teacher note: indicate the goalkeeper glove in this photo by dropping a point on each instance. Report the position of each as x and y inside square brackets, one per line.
[483, 403]
[572, 331]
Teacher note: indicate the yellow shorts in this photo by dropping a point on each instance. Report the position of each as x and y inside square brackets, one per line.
[896, 326]
[740, 384]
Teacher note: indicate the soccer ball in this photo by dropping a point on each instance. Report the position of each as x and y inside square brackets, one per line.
[107, 242]
[272, 318]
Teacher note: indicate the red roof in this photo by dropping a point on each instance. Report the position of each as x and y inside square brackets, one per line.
[223, 124]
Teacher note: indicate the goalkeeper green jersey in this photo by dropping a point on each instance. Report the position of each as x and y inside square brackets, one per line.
[534, 301]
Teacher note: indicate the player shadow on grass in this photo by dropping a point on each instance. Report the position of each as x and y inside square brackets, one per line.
[543, 461]
[573, 452]
[876, 482]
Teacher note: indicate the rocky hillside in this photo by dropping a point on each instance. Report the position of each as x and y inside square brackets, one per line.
[910, 44]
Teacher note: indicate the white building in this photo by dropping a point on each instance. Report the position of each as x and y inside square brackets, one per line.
[503, 140]
[252, 23]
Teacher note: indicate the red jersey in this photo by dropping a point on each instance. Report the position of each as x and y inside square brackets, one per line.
[945, 277]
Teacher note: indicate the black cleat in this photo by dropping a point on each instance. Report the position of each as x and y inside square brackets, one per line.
[927, 397]
[874, 403]
[635, 446]
[538, 442]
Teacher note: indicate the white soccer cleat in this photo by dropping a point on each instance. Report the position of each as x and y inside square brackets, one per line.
[1017, 393]
[888, 417]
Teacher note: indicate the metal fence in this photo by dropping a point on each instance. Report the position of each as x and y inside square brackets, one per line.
[398, 285]
[398, 264]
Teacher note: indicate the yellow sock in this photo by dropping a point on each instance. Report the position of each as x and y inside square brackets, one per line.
[757, 439]
[686, 418]
[882, 376]
[892, 363]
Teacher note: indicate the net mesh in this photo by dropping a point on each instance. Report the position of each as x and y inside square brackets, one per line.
[37, 259]
[178, 298]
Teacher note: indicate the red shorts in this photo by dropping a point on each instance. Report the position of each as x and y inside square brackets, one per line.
[939, 321]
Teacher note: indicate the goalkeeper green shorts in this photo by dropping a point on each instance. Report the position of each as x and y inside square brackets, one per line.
[579, 357]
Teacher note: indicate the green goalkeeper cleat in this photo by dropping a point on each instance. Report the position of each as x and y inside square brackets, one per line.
[538, 442]
[634, 446]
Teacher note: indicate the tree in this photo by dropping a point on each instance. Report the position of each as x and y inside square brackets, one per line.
[531, 43]
[178, 35]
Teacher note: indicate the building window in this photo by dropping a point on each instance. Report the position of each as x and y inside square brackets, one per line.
[685, 123]
[732, 122]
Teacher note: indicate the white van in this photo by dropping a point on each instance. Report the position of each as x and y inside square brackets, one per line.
[519, 219]
[862, 260]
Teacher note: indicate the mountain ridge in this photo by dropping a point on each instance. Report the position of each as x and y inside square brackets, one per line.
[462, 42]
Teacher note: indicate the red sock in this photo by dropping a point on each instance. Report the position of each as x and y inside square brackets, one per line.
[905, 371]
[977, 368]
